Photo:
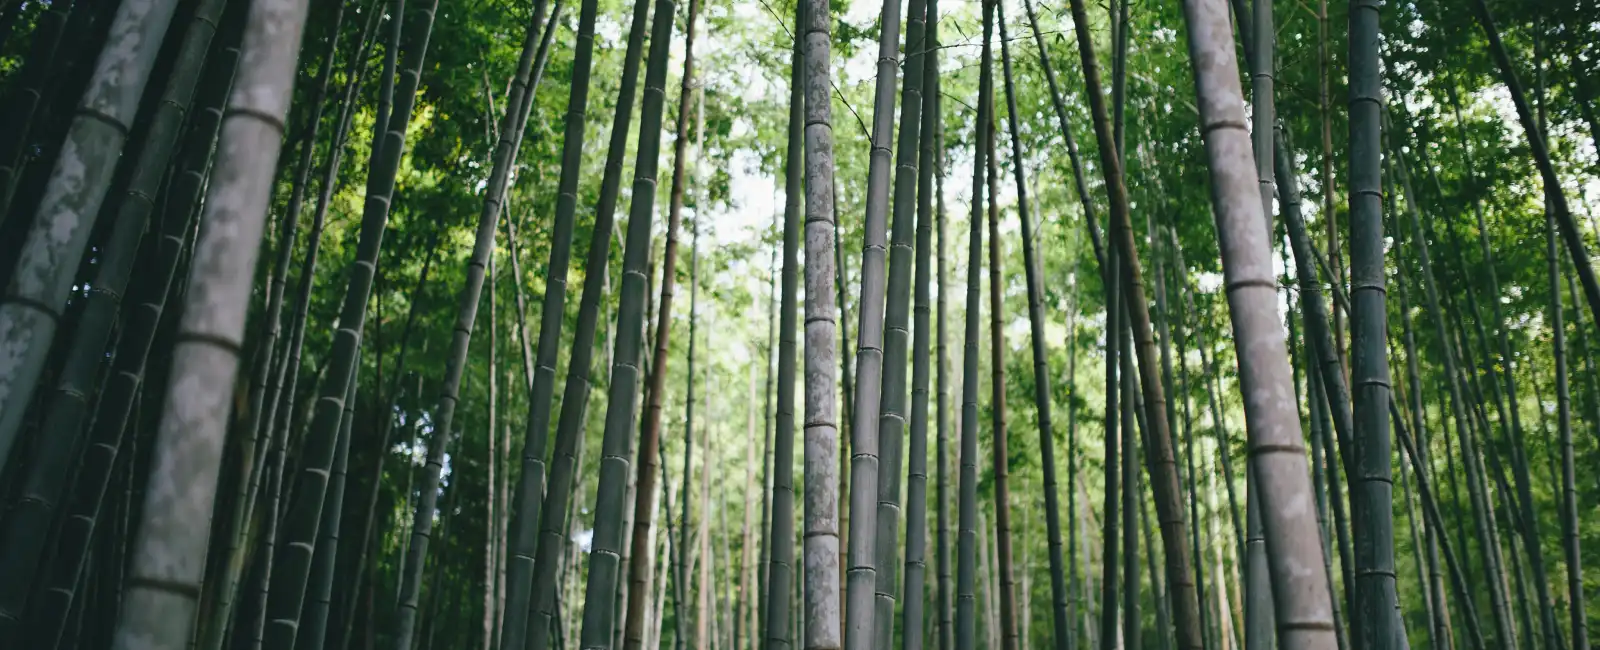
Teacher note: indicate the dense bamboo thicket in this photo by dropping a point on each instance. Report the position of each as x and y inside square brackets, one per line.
[714, 325]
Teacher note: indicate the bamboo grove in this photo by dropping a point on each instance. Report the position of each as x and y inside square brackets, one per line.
[528, 324]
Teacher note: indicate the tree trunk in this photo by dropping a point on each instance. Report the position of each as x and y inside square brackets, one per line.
[1504, 347]
[1164, 331]
[1313, 314]
[491, 459]
[1325, 112]
[966, 563]
[1554, 194]
[620, 404]
[744, 608]
[1588, 359]
[1219, 431]
[529, 499]
[303, 517]
[870, 381]
[650, 436]
[1564, 417]
[916, 564]
[1439, 626]
[169, 549]
[1568, 501]
[702, 603]
[1158, 456]
[1428, 604]
[944, 602]
[1487, 543]
[758, 617]
[822, 629]
[1259, 40]
[1157, 589]
[620, 601]
[895, 333]
[1506, 409]
[263, 560]
[1004, 576]
[109, 431]
[1041, 370]
[1191, 479]
[430, 617]
[840, 271]
[988, 590]
[1458, 572]
[1277, 459]
[312, 636]
[1066, 631]
[775, 614]
[705, 596]
[35, 298]
[27, 530]
[356, 74]
[267, 372]
[385, 434]
[1132, 621]
[346, 347]
[530, 505]
[1110, 548]
[530, 483]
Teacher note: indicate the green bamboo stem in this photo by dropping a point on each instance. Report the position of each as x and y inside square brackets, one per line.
[620, 403]
[916, 564]
[966, 617]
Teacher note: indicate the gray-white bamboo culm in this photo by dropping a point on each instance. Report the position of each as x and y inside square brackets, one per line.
[26, 532]
[821, 627]
[33, 301]
[1262, 42]
[865, 445]
[892, 413]
[169, 550]
[205, 510]
[1277, 458]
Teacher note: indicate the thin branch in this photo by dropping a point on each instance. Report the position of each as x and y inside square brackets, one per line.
[852, 109]
[778, 18]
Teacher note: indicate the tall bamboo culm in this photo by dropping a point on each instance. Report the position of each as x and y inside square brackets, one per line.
[892, 414]
[775, 623]
[1375, 623]
[865, 445]
[916, 563]
[821, 628]
[169, 550]
[108, 433]
[627, 355]
[966, 602]
[1159, 459]
[384, 165]
[27, 529]
[42, 274]
[1041, 371]
[1283, 494]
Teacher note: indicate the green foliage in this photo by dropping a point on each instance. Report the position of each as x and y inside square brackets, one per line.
[1450, 124]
